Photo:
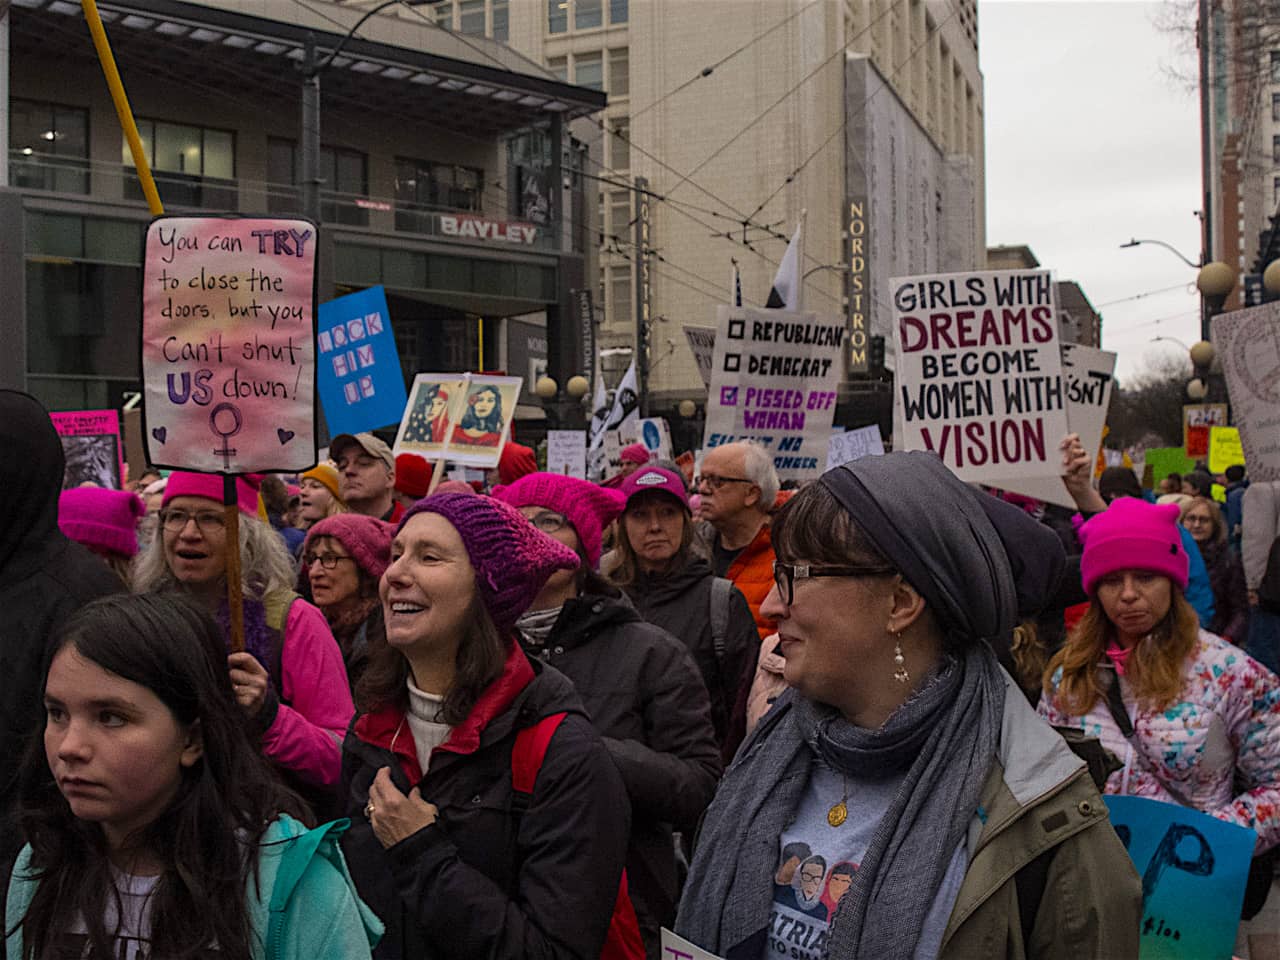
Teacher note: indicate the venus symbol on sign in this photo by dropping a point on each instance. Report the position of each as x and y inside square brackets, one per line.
[225, 431]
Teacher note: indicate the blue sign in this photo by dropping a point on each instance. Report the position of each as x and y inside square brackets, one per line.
[1193, 867]
[357, 365]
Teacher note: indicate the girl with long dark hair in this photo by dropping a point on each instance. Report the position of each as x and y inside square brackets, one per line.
[154, 827]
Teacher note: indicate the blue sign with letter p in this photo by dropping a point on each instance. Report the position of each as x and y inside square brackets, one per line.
[357, 364]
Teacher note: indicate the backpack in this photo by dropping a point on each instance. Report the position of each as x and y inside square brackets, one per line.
[721, 596]
[623, 940]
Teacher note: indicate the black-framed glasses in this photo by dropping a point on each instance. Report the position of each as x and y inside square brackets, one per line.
[206, 520]
[715, 481]
[785, 575]
[327, 560]
[548, 521]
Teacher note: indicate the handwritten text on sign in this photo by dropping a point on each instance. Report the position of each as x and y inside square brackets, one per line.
[228, 343]
[1194, 868]
[774, 378]
[979, 371]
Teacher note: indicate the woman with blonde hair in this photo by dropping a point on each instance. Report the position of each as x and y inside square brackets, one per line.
[1204, 521]
[1195, 721]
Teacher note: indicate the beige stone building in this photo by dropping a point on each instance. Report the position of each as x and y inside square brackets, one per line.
[757, 110]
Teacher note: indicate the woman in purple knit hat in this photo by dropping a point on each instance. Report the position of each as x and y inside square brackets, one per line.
[640, 685]
[466, 843]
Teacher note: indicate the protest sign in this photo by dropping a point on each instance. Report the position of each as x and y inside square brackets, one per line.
[1225, 449]
[773, 379]
[1087, 379]
[358, 367]
[567, 453]
[653, 432]
[228, 344]
[979, 372]
[462, 418]
[702, 341]
[91, 447]
[1194, 868]
[1246, 343]
[1166, 460]
[1197, 420]
[678, 948]
[850, 445]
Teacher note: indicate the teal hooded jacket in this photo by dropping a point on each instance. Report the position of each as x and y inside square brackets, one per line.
[304, 906]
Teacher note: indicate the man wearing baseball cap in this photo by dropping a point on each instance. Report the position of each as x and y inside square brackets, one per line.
[368, 472]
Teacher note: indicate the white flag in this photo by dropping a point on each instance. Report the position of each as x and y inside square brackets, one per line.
[599, 413]
[786, 292]
[626, 401]
[735, 285]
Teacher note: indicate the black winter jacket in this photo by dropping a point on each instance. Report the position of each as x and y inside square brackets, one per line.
[44, 578]
[646, 698]
[680, 603]
[487, 880]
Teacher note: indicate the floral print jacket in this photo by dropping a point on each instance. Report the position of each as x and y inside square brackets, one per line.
[1228, 718]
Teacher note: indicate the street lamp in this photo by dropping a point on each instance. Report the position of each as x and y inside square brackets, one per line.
[559, 410]
[1215, 282]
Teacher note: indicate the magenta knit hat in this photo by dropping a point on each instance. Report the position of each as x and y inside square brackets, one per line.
[367, 539]
[209, 486]
[590, 508]
[512, 559]
[1133, 535]
[101, 519]
[634, 453]
[654, 478]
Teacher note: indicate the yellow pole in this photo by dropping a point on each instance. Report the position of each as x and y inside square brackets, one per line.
[479, 344]
[122, 106]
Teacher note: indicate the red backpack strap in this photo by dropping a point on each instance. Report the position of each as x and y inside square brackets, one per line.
[530, 750]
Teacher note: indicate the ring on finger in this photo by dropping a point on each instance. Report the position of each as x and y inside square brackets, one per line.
[368, 810]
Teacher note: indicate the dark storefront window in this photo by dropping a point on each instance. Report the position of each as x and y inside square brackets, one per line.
[344, 176]
[423, 186]
[192, 166]
[363, 266]
[48, 146]
[283, 195]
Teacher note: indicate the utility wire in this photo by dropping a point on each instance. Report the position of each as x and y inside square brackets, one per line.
[1145, 293]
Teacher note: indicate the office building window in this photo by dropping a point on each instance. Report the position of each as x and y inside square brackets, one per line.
[283, 195]
[1275, 150]
[560, 67]
[501, 20]
[557, 16]
[1275, 66]
[441, 12]
[48, 146]
[588, 71]
[588, 14]
[620, 293]
[345, 178]
[471, 17]
[618, 11]
[1275, 193]
[620, 214]
[619, 152]
[422, 184]
[193, 166]
[1275, 108]
[619, 73]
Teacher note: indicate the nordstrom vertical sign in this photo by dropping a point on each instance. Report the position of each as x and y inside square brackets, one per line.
[859, 294]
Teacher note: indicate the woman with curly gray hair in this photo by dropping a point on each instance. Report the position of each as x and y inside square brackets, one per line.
[289, 679]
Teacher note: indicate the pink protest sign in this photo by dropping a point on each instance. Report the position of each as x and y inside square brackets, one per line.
[228, 344]
[91, 447]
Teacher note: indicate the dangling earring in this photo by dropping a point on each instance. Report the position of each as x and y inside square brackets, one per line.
[899, 661]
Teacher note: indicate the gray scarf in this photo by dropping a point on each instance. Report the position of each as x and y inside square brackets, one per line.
[536, 625]
[944, 738]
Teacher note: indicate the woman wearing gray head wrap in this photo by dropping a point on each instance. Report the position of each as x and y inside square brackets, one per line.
[902, 748]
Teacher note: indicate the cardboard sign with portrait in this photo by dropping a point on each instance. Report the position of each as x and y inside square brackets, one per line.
[465, 419]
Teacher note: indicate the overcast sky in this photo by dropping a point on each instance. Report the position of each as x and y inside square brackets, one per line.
[1090, 143]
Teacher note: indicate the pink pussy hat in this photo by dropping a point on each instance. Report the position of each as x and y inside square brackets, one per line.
[102, 520]
[589, 507]
[1133, 535]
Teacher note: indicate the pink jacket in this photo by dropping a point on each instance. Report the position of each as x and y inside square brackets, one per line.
[1227, 718]
[768, 683]
[306, 736]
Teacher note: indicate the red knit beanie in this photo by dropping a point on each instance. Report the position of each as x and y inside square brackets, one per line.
[103, 520]
[516, 461]
[634, 453]
[367, 539]
[413, 475]
[589, 507]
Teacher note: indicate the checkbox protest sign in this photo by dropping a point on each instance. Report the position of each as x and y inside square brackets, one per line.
[774, 375]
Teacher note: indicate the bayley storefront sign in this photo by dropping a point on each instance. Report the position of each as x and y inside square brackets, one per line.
[478, 228]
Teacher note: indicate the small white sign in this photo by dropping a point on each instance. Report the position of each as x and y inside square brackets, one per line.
[567, 453]
[853, 445]
[678, 948]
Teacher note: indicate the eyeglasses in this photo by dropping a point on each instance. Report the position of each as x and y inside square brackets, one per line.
[715, 482]
[207, 521]
[785, 575]
[327, 560]
[549, 522]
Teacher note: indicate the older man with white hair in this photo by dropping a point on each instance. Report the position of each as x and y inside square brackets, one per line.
[739, 485]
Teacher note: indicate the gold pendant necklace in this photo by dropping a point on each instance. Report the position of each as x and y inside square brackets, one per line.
[839, 812]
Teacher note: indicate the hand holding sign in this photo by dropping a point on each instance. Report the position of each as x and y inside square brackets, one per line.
[228, 344]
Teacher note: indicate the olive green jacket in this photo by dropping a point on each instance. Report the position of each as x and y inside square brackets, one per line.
[1038, 796]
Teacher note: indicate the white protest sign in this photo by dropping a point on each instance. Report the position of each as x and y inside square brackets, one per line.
[979, 372]
[773, 379]
[853, 445]
[702, 341]
[653, 432]
[229, 344]
[1088, 375]
[612, 454]
[567, 453]
[463, 418]
[1248, 343]
[678, 948]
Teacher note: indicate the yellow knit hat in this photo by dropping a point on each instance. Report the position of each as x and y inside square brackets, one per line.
[327, 475]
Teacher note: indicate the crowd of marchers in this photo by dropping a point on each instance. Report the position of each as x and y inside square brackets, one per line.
[869, 716]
